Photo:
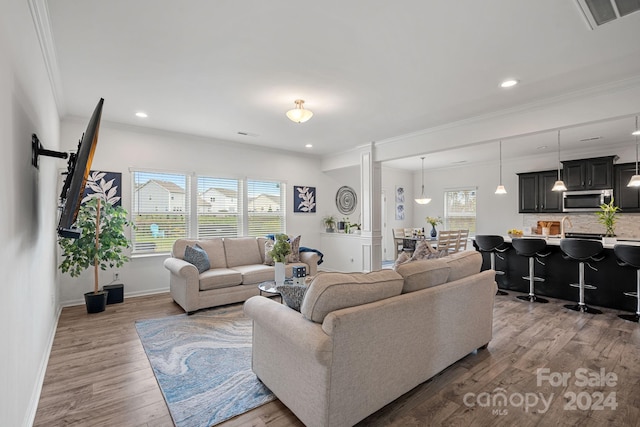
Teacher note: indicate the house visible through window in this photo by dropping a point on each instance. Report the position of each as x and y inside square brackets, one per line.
[265, 207]
[460, 209]
[219, 207]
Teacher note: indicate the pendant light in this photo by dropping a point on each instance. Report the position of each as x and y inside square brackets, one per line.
[635, 179]
[422, 200]
[559, 184]
[501, 189]
[299, 114]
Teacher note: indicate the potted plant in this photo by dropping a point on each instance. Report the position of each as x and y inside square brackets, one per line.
[433, 221]
[100, 245]
[607, 217]
[279, 252]
[329, 222]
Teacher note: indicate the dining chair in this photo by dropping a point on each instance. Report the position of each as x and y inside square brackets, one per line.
[463, 237]
[398, 236]
[448, 240]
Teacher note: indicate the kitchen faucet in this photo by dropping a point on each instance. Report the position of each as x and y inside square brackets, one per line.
[562, 225]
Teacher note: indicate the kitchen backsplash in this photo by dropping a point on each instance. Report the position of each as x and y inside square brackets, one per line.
[627, 225]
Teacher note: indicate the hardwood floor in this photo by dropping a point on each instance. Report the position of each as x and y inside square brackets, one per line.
[99, 375]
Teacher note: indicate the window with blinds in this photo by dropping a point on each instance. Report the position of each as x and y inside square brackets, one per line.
[219, 207]
[265, 207]
[160, 210]
[460, 210]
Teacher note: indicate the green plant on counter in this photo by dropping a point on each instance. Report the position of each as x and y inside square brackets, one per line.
[607, 217]
[329, 222]
[281, 248]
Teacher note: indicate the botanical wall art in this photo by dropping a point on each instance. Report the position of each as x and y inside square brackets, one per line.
[106, 185]
[304, 199]
[399, 203]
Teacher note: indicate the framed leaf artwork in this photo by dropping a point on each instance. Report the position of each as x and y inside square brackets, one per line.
[304, 199]
[106, 185]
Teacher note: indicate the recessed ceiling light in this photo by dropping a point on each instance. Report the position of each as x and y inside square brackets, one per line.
[636, 133]
[508, 83]
[308, 145]
[141, 115]
[542, 147]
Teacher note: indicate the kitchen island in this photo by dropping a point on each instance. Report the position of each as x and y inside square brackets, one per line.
[610, 278]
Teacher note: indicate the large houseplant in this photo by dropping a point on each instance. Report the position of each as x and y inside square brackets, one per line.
[607, 217]
[281, 248]
[100, 245]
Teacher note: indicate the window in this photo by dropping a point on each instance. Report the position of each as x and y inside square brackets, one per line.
[160, 210]
[266, 209]
[460, 210]
[219, 207]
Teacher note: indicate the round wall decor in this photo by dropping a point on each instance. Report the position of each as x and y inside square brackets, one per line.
[346, 200]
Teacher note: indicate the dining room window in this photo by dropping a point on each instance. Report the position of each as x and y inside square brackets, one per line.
[460, 209]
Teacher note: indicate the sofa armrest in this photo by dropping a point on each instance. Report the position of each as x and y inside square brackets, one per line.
[184, 283]
[181, 268]
[311, 259]
[290, 327]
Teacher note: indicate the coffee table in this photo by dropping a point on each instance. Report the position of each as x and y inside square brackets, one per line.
[269, 287]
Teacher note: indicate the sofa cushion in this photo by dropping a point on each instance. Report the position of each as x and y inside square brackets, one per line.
[332, 291]
[423, 274]
[197, 256]
[292, 295]
[242, 251]
[463, 264]
[255, 273]
[213, 247]
[219, 278]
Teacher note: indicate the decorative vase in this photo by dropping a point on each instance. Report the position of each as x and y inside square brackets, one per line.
[434, 232]
[279, 273]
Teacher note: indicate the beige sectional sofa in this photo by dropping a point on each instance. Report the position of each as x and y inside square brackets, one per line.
[362, 340]
[237, 267]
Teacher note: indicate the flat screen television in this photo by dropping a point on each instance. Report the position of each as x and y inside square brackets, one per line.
[78, 167]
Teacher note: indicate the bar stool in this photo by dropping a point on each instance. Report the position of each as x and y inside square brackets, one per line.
[532, 249]
[492, 244]
[630, 255]
[582, 250]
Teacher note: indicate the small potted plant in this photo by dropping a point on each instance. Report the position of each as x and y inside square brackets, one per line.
[279, 252]
[329, 222]
[433, 221]
[100, 245]
[607, 217]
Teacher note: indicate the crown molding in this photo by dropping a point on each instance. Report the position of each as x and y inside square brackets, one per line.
[42, 24]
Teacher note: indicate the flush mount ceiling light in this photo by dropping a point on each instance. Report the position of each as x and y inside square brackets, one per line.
[299, 114]
[508, 83]
[501, 189]
[309, 145]
[141, 115]
[635, 179]
[422, 200]
[559, 184]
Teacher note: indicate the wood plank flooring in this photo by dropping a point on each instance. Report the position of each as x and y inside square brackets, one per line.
[99, 375]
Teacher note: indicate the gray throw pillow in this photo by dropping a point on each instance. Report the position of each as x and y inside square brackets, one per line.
[198, 257]
[292, 295]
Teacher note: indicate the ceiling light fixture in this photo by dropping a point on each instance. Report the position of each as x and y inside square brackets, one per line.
[141, 115]
[637, 131]
[422, 200]
[501, 189]
[309, 145]
[299, 114]
[559, 184]
[635, 179]
[508, 83]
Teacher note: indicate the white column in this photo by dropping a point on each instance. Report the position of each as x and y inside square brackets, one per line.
[371, 191]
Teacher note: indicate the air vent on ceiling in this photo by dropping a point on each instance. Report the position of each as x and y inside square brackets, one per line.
[599, 12]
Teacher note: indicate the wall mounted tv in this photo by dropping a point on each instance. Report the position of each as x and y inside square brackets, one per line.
[78, 167]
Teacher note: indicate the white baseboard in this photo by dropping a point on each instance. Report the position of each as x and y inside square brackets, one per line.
[72, 303]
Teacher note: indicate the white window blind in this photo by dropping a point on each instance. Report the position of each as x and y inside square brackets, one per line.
[460, 210]
[266, 207]
[219, 207]
[160, 210]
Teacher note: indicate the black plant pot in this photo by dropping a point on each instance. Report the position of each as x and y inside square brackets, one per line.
[96, 302]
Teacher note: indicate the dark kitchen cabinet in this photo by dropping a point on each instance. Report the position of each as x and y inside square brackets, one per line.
[535, 195]
[626, 198]
[589, 174]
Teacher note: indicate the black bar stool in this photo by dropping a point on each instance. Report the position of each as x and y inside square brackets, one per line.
[532, 249]
[582, 250]
[492, 244]
[630, 255]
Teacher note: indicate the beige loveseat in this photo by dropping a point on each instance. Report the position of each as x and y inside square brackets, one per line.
[364, 339]
[237, 267]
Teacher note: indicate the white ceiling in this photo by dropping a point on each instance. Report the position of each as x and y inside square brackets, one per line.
[369, 70]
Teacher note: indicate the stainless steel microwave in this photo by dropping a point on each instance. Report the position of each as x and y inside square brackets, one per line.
[585, 200]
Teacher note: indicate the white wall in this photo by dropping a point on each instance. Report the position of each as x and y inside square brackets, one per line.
[121, 148]
[28, 307]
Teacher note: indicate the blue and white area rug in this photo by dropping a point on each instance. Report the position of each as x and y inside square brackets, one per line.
[203, 365]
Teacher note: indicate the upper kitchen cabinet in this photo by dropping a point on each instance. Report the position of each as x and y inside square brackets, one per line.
[535, 195]
[589, 174]
[626, 198]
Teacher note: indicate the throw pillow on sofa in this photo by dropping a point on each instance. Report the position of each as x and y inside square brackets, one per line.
[197, 256]
[294, 256]
[292, 295]
[402, 258]
[268, 246]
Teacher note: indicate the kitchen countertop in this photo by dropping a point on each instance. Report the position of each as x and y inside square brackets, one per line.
[555, 240]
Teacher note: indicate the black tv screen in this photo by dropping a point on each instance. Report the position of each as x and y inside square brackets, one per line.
[77, 171]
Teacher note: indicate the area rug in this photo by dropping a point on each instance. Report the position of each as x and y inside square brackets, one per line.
[203, 365]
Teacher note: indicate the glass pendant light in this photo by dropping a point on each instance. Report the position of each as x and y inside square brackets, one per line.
[501, 189]
[559, 184]
[635, 179]
[422, 200]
